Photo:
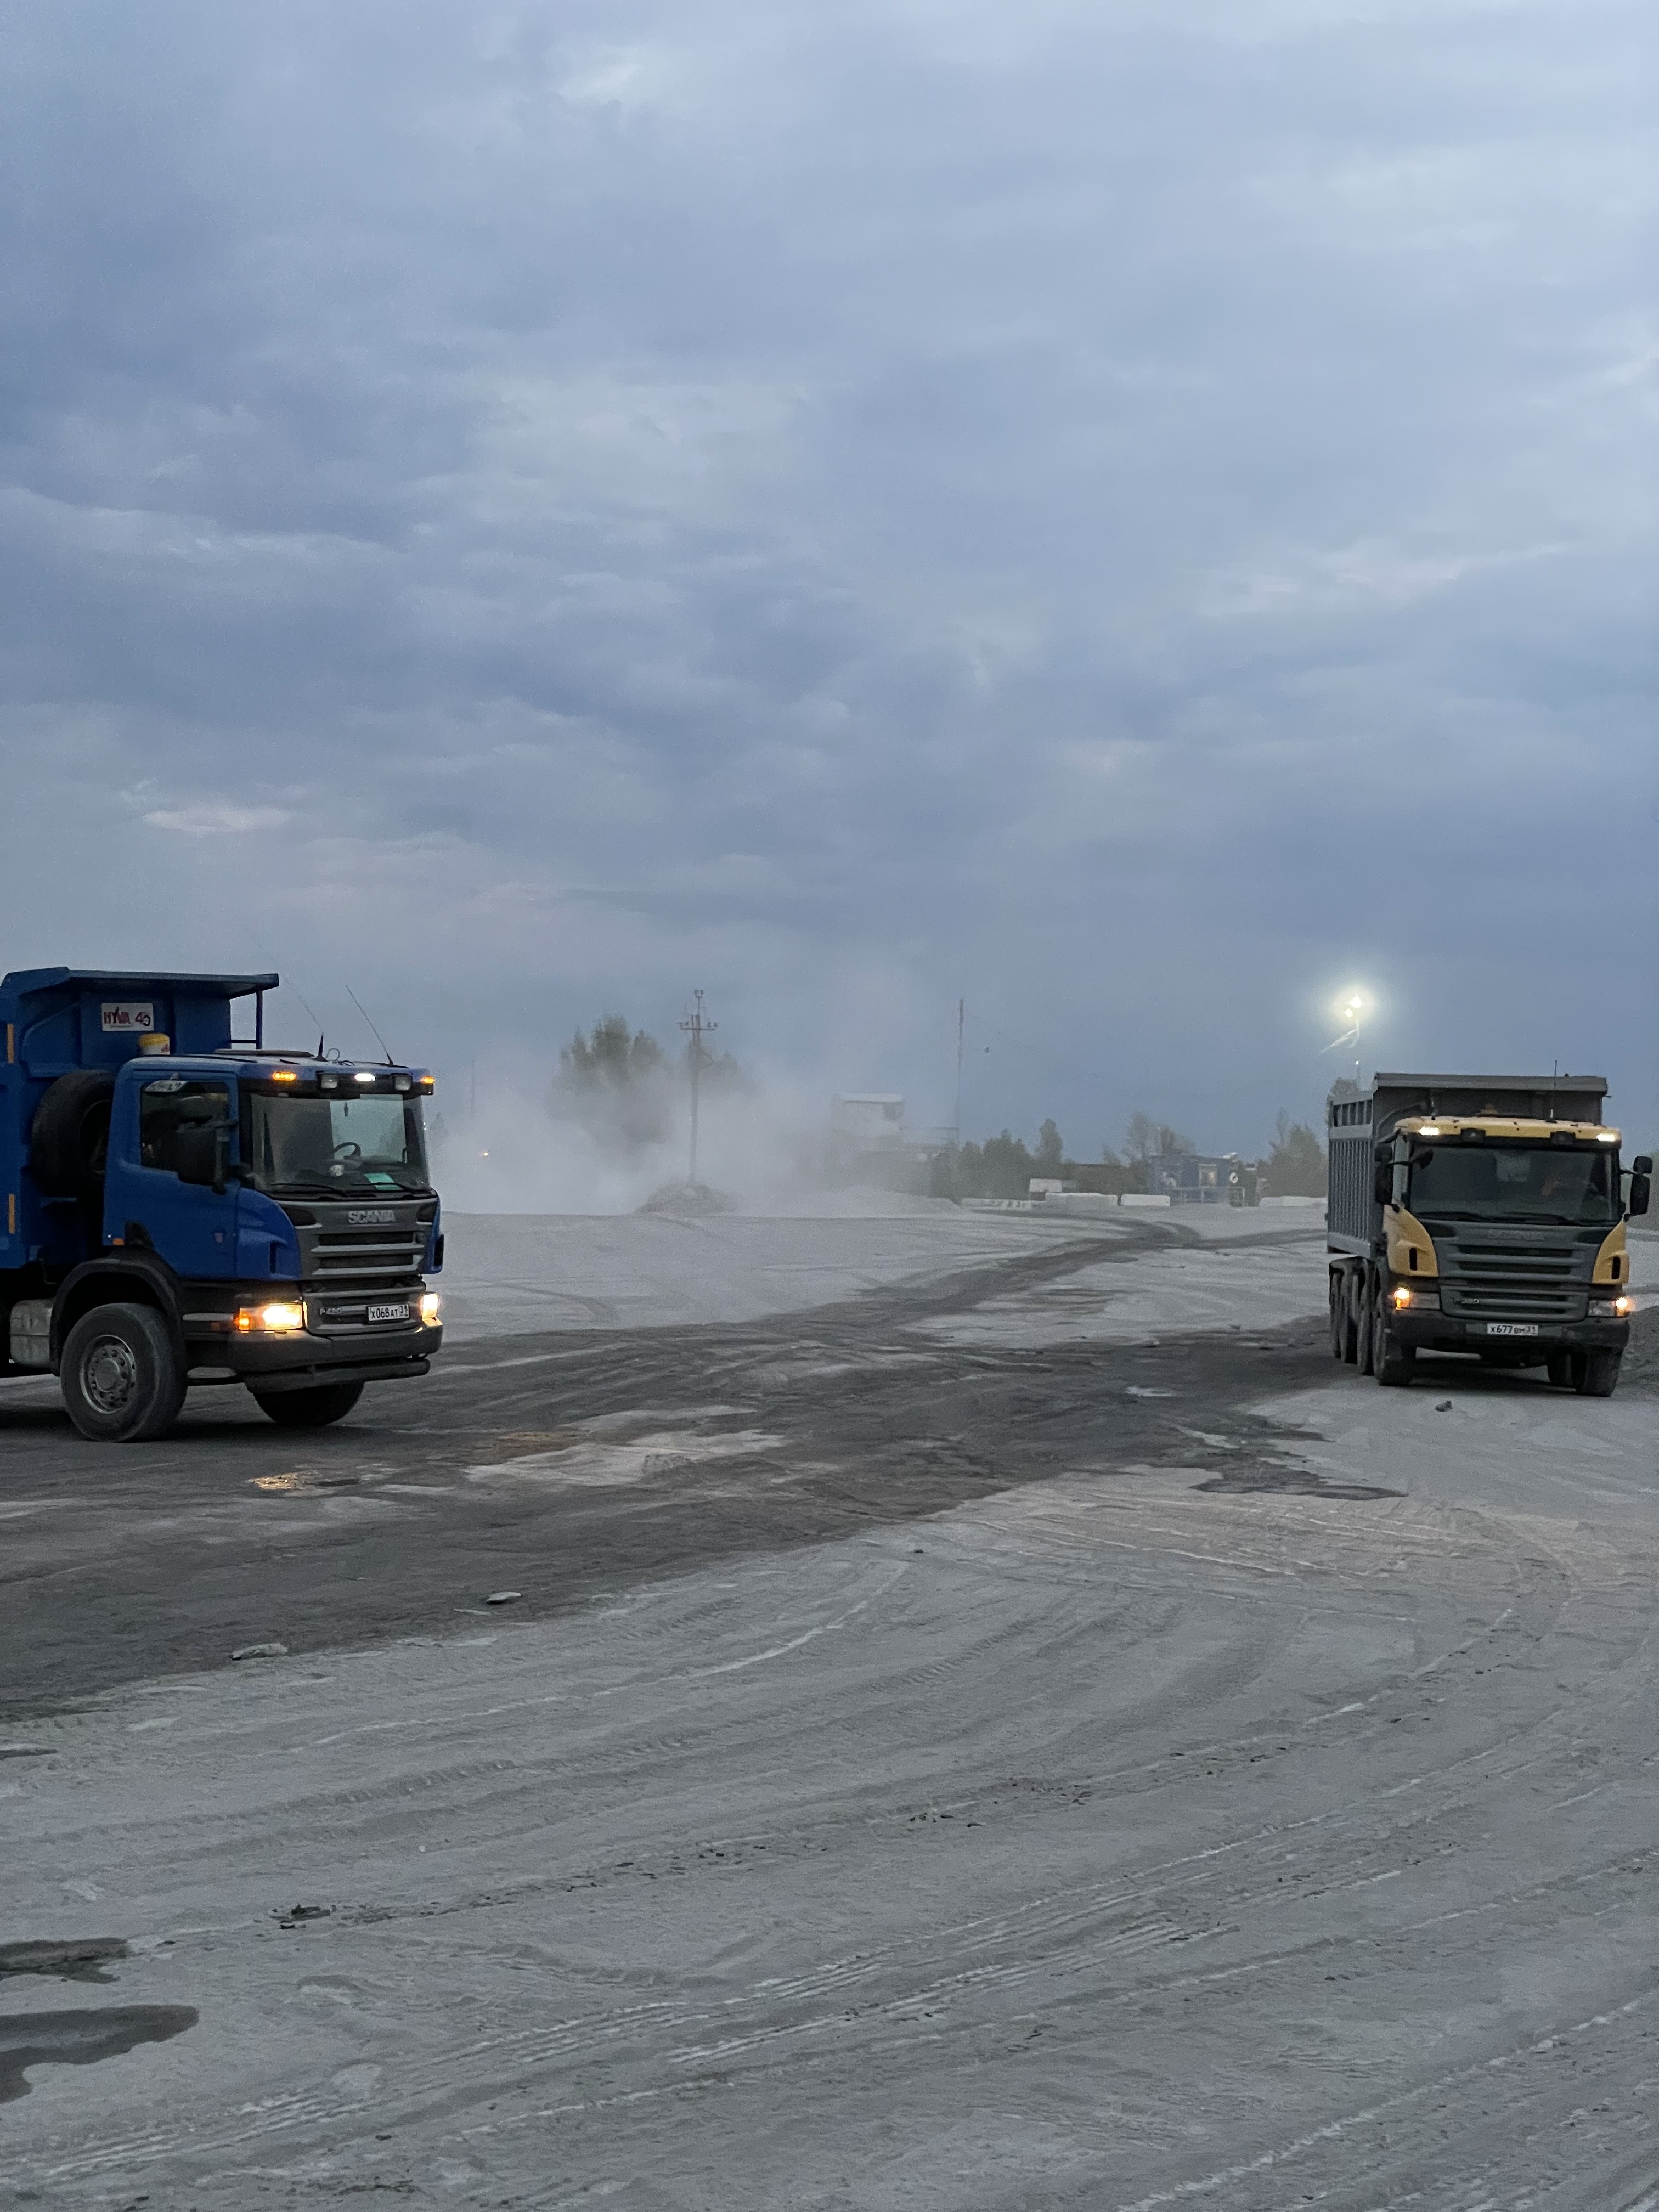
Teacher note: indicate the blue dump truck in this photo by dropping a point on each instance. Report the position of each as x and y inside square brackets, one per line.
[1481, 1214]
[184, 1208]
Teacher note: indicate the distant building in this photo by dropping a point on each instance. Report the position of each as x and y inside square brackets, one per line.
[867, 1120]
[869, 1142]
[1191, 1179]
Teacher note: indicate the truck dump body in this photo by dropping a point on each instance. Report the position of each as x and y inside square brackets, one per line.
[1479, 1214]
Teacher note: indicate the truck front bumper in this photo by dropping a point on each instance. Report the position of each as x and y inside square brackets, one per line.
[1433, 1331]
[298, 1360]
[270, 1359]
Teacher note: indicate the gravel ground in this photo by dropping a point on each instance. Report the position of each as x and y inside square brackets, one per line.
[976, 1744]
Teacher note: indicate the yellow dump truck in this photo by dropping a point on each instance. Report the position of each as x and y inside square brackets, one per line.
[1481, 1214]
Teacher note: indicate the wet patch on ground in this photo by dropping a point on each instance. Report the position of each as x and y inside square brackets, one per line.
[82, 2039]
[81, 1959]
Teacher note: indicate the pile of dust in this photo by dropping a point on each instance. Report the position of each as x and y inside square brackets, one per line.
[686, 1197]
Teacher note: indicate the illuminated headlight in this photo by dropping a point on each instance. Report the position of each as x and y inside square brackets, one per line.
[365, 1075]
[1612, 1308]
[431, 1307]
[1402, 1297]
[281, 1314]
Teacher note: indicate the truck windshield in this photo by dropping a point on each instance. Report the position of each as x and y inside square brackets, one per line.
[1515, 1183]
[322, 1144]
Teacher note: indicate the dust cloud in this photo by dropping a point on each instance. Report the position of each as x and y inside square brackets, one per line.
[514, 1152]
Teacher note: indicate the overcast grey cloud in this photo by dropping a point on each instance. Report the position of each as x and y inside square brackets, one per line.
[1137, 515]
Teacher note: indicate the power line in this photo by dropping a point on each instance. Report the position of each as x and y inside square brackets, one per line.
[697, 1029]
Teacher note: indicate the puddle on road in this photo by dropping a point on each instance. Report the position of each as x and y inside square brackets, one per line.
[76, 2039]
[80, 1959]
[82, 2039]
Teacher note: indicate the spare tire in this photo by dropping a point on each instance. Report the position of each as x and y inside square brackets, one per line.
[70, 1134]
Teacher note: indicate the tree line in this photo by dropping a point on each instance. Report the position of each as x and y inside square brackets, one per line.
[622, 1086]
[1004, 1166]
[624, 1089]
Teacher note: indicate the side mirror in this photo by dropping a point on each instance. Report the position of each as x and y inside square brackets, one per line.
[1641, 1165]
[195, 1153]
[201, 1155]
[1383, 1185]
[1641, 1189]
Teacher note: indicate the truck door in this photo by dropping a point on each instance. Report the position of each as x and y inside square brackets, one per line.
[162, 1161]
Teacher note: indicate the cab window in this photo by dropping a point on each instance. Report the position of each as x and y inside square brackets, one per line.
[176, 1122]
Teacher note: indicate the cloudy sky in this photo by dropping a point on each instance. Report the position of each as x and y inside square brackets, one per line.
[1137, 513]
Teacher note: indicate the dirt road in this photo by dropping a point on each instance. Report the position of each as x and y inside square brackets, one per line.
[947, 1751]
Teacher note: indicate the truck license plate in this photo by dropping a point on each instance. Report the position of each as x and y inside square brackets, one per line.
[388, 1313]
[1511, 1329]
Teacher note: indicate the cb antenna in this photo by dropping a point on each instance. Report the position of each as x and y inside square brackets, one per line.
[369, 1019]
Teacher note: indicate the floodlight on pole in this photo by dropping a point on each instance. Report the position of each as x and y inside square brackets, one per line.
[1351, 1009]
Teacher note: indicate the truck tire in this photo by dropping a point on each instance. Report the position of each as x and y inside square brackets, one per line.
[1393, 1363]
[1596, 1374]
[1338, 1316]
[1364, 1327]
[1349, 1316]
[310, 1409]
[122, 1379]
[71, 1133]
[1558, 1367]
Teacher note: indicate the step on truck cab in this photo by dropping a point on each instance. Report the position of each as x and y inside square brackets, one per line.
[1481, 1214]
[185, 1207]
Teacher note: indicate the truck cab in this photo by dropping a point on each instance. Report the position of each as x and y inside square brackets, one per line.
[186, 1208]
[1482, 1215]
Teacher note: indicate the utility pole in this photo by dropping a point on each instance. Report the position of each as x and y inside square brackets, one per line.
[961, 1020]
[697, 1029]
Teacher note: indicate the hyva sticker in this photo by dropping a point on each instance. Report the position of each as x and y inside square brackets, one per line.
[128, 1014]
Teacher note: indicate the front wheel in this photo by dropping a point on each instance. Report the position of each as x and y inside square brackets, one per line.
[1596, 1374]
[122, 1375]
[1392, 1362]
[309, 1409]
[1558, 1367]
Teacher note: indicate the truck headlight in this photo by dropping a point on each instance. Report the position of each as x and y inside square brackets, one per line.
[430, 1308]
[281, 1314]
[1611, 1308]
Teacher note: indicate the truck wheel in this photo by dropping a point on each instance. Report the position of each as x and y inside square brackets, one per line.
[1365, 1328]
[1559, 1366]
[310, 1409]
[70, 1134]
[1350, 1317]
[1392, 1363]
[1338, 1316]
[122, 1378]
[1596, 1374]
